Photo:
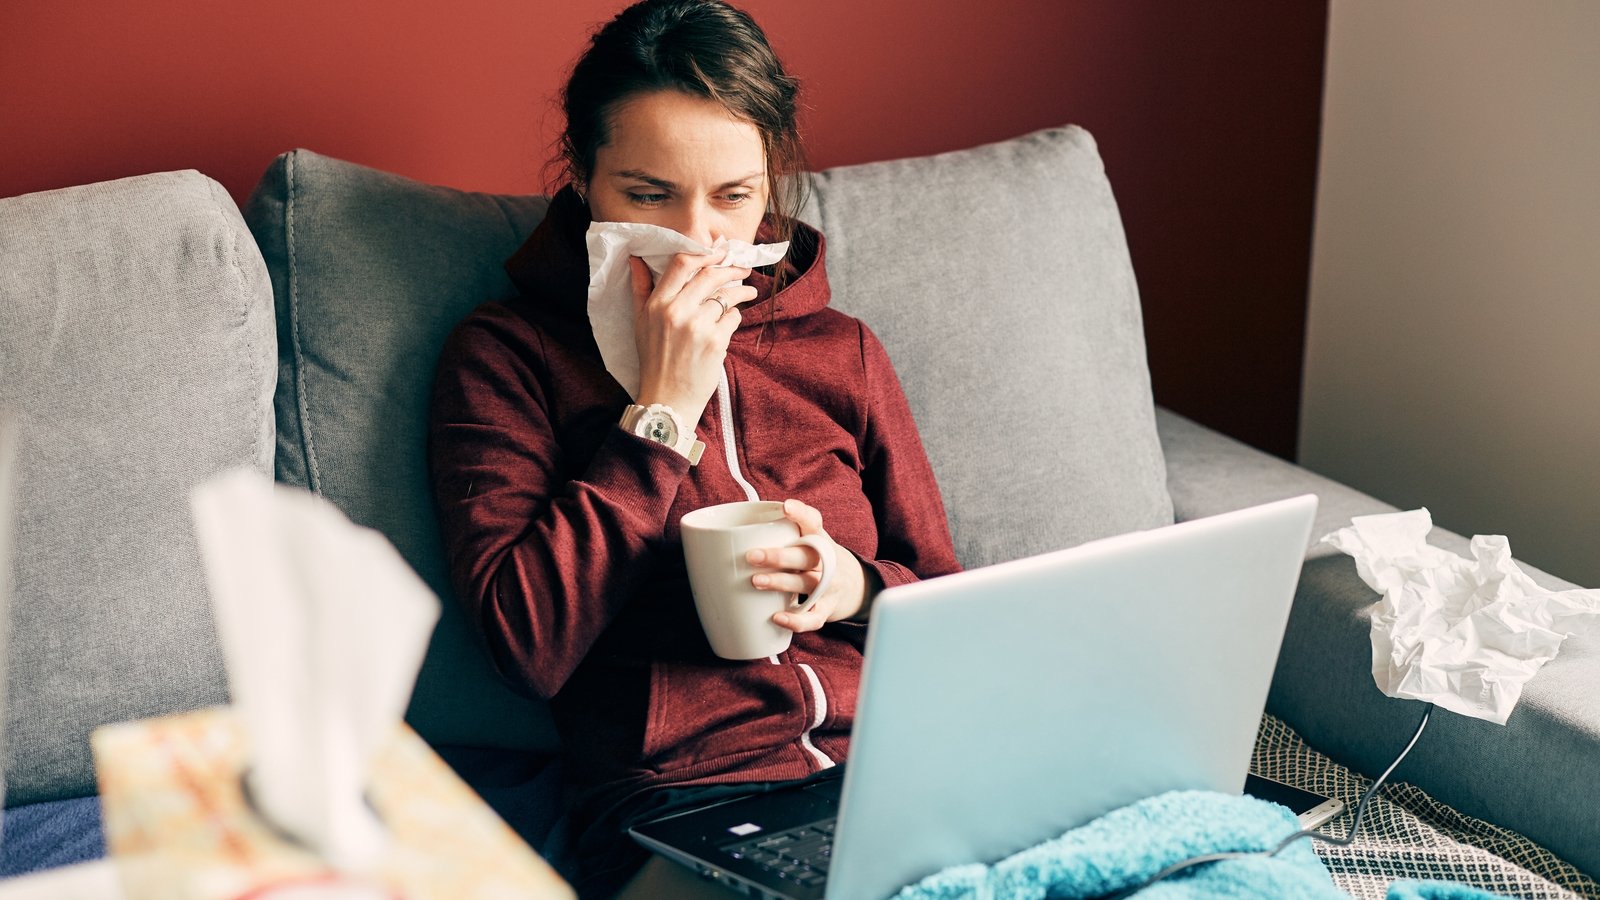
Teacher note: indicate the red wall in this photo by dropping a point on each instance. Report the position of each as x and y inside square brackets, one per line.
[1206, 115]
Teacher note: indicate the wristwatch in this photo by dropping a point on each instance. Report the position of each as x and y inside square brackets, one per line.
[657, 422]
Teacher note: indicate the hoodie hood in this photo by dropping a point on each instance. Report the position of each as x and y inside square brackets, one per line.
[552, 267]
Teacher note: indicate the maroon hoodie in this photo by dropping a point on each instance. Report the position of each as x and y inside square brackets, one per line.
[562, 529]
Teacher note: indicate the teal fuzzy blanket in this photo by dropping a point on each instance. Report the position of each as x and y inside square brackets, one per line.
[1123, 848]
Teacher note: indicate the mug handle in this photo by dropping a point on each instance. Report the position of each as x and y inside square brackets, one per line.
[820, 544]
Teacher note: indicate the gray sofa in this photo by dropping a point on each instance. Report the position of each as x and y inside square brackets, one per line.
[151, 335]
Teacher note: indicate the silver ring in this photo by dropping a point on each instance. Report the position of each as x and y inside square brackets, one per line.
[719, 301]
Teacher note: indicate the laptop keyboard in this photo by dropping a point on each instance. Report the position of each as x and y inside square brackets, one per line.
[799, 854]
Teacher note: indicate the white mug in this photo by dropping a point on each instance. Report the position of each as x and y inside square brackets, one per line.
[736, 616]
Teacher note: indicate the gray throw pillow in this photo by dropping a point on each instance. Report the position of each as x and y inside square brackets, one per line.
[372, 271]
[999, 281]
[137, 352]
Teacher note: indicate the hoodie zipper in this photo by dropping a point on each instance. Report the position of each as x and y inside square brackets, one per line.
[725, 406]
[819, 700]
[823, 760]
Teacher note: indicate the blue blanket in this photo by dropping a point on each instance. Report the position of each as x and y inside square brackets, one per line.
[1127, 846]
[50, 834]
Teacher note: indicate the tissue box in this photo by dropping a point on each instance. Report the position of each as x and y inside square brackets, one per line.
[179, 826]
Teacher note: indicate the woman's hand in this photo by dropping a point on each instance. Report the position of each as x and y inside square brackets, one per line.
[798, 569]
[681, 333]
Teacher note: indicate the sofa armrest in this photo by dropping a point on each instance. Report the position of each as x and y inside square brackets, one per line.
[137, 355]
[1535, 775]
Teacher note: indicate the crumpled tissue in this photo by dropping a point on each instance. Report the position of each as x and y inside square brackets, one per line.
[610, 283]
[1464, 634]
[323, 628]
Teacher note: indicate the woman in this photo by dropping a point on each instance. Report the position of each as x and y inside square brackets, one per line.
[561, 522]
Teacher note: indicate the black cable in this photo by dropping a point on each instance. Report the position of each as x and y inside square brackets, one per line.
[1361, 809]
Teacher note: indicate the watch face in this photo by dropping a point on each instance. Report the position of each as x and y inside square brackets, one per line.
[661, 429]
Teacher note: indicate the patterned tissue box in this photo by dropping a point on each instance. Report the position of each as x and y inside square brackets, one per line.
[180, 828]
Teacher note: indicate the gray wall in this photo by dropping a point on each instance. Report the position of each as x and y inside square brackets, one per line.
[1453, 341]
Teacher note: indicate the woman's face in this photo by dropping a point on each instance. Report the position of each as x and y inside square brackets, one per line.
[684, 163]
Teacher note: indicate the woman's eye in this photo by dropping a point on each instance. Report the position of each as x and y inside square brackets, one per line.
[647, 199]
[736, 199]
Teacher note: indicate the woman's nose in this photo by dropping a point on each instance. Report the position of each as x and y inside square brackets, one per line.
[698, 224]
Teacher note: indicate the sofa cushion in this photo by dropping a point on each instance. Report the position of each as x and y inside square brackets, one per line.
[137, 351]
[1519, 775]
[999, 281]
[373, 270]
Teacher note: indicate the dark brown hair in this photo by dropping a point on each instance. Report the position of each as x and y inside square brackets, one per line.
[704, 48]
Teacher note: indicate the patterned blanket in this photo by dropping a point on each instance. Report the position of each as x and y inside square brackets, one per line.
[1409, 835]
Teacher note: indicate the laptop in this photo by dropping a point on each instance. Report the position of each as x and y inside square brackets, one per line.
[1002, 706]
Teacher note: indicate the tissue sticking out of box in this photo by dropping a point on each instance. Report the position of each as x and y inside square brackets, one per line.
[1463, 634]
[323, 628]
[611, 284]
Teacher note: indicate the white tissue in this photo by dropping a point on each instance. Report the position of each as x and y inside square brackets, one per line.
[1463, 634]
[323, 629]
[610, 283]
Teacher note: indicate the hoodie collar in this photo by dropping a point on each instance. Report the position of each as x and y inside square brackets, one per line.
[551, 267]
